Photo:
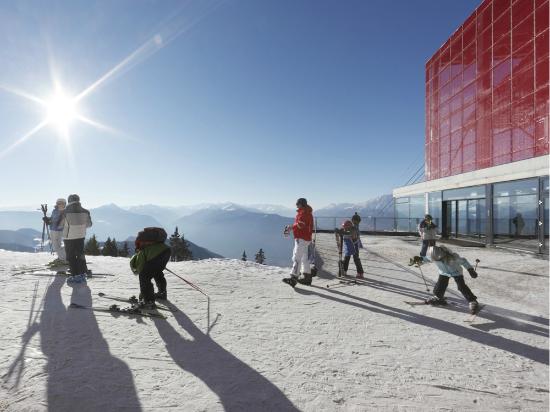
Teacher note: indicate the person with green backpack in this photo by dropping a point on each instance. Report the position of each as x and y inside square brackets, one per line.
[149, 261]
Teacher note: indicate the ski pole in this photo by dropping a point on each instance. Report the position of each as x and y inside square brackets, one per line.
[189, 283]
[477, 261]
[422, 274]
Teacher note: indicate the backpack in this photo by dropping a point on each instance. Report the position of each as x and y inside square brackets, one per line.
[152, 235]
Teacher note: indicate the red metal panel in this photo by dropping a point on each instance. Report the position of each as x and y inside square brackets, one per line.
[487, 89]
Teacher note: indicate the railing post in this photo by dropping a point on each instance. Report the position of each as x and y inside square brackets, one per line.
[374, 223]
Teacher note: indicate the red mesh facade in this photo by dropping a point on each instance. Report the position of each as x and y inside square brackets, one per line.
[487, 90]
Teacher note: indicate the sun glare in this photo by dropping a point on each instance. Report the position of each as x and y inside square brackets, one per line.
[61, 111]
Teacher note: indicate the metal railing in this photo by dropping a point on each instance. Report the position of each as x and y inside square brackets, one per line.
[371, 223]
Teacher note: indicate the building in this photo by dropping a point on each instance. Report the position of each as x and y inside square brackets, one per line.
[487, 126]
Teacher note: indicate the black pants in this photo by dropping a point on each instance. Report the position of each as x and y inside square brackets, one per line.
[357, 262]
[443, 282]
[425, 245]
[153, 270]
[74, 248]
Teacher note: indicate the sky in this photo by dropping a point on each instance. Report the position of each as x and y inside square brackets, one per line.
[186, 102]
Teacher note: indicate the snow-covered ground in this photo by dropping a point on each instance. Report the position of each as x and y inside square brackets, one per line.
[259, 345]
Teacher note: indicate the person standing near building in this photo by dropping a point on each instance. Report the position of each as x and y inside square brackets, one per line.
[449, 265]
[77, 220]
[302, 230]
[356, 219]
[56, 222]
[352, 244]
[427, 230]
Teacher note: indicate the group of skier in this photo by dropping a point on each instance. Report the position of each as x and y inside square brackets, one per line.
[449, 263]
[68, 223]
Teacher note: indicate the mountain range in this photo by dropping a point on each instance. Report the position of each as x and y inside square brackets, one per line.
[225, 229]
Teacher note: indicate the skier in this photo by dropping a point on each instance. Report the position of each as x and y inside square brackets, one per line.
[352, 244]
[302, 230]
[427, 230]
[149, 261]
[77, 220]
[56, 222]
[449, 264]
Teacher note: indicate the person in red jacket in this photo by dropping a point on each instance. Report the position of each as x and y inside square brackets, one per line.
[302, 230]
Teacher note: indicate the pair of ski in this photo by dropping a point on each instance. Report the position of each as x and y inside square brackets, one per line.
[346, 280]
[471, 316]
[131, 310]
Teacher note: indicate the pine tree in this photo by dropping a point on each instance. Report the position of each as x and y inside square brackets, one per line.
[260, 257]
[124, 251]
[180, 248]
[244, 256]
[92, 247]
[109, 248]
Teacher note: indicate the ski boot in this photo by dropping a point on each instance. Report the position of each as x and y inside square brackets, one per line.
[313, 271]
[474, 307]
[435, 301]
[360, 276]
[77, 278]
[305, 279]
[160, 295]
[133, 300]
[292, 280]
[144, 305]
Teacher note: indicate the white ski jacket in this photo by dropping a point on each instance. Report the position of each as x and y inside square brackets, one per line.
[77, 220]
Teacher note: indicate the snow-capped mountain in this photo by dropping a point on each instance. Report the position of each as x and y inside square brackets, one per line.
[381, 206]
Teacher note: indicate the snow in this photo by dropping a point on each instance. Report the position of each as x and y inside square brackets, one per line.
[260, 345]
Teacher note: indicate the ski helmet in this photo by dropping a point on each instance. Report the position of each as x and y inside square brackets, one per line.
[437, 253]
[73, 198]
[347, 224]
[301, 202]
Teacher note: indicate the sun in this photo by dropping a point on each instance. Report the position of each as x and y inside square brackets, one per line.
[62, 111]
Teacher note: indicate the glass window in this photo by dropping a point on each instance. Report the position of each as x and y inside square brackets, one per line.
[417, 207]
[434, 208]
[474, 192]
[516, 187]
[402, 200]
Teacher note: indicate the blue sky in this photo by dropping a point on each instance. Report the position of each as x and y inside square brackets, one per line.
[250, 101]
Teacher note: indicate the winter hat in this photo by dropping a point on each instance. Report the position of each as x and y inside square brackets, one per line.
[73, 198]
[301, 202]
[61, 201]
[347, 224]
[428, 217]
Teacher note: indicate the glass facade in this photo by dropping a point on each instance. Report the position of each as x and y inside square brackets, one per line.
[519, 209]
[487, 90]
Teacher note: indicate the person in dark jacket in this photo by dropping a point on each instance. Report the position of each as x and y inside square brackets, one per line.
[352, 244]
[77, 220]
[149, 261]
[427, 230]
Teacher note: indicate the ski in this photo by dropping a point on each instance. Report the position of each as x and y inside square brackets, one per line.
[423, 302]
[473, 316]
[116, 309]
[130, 300]
[341, 283]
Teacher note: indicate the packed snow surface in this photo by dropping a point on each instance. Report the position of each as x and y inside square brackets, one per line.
[259, 345]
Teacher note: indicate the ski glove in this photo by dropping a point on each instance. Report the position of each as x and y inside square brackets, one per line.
[417, 260]
[47, 220]
[472, 273]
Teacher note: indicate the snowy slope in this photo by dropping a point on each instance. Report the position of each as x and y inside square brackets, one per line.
[259, 345]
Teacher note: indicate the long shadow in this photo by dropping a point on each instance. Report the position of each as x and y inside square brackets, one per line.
[514, 271]
[238, 386]
[530, 352]
[82, 373]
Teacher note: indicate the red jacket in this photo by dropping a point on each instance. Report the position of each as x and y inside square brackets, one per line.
[303, 223]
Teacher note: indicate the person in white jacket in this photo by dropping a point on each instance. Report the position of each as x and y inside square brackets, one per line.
[449, 265]
[77, 220]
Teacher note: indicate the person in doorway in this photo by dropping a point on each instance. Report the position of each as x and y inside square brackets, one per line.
[302, 230]
[56, 223]
[449, 265]
[77, 220]
[427, 230]
[352, 244]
